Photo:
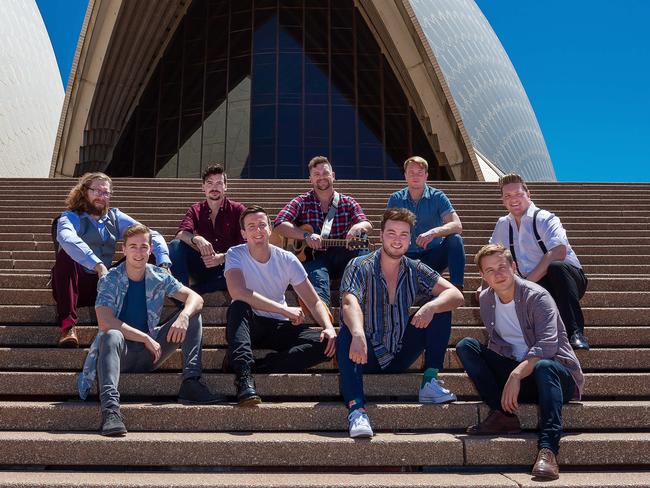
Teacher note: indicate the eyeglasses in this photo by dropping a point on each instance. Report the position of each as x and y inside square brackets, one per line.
[100, 193]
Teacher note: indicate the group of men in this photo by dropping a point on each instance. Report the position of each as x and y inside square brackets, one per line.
[529, 298]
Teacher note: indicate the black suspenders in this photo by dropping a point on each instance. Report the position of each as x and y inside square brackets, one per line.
[539, 239]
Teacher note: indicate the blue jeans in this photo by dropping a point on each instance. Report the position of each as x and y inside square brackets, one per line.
[449, 253]
[187, 266]
[550, 385]
[327, 265]
[433, 340]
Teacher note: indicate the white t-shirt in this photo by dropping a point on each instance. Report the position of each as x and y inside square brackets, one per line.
[507, 326]
[269, 279]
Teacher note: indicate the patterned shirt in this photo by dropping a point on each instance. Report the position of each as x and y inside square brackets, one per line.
[306, 209]
[224, 233]
[112, 288]
[384, 324]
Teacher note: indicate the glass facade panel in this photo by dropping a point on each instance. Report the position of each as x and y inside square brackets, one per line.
[264, 86]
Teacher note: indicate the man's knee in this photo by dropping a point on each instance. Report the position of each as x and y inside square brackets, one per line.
[468, 346]
[455, 241]
[237, 311]
[112, 339]
[178, 249]
[557, 269]
[544, 368]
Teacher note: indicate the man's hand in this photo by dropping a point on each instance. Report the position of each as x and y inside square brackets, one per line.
[178, 330]
[330, 336]
[203, 246]
[214, 260]
[295, 315]
[422, 318]
[101, 270]
[359, 349]
[314, 241]
[425, 238]
[153, 347]
[511, 394]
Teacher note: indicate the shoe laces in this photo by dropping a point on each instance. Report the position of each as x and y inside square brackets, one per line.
[357, 417]
[546, 455]
[109, 414]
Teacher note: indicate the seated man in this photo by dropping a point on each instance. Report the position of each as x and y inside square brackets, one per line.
[376, 293]
[313, 208]
[436, 239]
[87, 233]
[207, 231]
[527, 357]
[258, 275]
[541, 251]
[130, 300]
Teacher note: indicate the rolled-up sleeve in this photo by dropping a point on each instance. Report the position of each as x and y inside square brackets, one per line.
[357, 212]
[67, 235]
[189, 222]
[545, 323]
[554, 234]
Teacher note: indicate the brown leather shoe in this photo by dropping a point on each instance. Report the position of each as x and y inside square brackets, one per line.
[496, 423]
[546, 465]
[69, 338]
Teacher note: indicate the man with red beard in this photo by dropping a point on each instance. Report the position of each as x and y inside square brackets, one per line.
[205, 234]
[87, 233]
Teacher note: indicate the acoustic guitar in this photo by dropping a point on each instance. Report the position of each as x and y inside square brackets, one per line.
[304, 253]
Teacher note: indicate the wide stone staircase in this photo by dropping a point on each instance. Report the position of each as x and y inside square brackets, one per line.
[298, 436]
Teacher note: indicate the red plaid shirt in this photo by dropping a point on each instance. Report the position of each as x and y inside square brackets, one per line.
[306, 209]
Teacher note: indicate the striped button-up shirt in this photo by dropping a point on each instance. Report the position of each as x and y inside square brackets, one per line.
[385, 323]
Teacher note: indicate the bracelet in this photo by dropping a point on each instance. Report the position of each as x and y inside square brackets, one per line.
[192, 239]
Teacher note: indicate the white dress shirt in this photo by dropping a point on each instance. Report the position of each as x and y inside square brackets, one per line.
[527, 250]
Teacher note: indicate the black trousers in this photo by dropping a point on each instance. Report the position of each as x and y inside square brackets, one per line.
[296, 347]
[567, 285]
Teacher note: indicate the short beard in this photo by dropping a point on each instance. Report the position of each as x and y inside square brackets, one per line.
[92, 210]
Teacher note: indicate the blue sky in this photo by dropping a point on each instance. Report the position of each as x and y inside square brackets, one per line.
[583, 63]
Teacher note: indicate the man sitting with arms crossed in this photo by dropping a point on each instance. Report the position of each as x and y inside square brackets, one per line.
[207, 231]
[312, 208]
[527, 357]
[130, 299]
[436, 239]
[542, 254]
[377, 291]
[258, 275]
[88, 232]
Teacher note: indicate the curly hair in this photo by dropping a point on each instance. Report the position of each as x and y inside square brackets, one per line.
[76, 199]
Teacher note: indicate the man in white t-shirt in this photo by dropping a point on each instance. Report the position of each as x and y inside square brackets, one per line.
[257, 275]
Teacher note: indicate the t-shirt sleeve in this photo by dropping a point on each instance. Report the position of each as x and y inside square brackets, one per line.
[354, 282]
[393, 201]
[295, 269]
[233, 259]
[444, 205]
[427, 278]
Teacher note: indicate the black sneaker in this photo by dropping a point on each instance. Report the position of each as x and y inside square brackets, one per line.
[579, 341]
[246, 394]
[194, 392]
[113, 424]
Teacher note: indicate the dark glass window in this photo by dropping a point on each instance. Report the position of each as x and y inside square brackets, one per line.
[264, 86]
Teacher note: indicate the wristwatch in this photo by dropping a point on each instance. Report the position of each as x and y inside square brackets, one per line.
[306, 234]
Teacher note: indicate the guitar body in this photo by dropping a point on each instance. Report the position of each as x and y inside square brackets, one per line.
[304, 253]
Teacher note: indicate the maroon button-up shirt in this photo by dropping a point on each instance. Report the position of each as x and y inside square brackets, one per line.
[224, 233]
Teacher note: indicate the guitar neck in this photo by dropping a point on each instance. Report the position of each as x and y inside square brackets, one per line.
[334, 242]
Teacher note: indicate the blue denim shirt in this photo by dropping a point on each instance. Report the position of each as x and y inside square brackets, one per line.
[111, 290]
[429, 212]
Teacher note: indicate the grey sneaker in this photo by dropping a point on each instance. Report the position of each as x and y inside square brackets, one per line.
[434, 392]
[194, 392]
[113, 424]
[359, 424]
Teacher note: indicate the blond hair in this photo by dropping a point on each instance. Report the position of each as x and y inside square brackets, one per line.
[135, 230]
[421, 162]
[489, 250]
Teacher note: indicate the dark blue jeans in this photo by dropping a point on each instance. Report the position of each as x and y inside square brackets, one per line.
[187, 267]
[449, 253]
[433, 340]
[550, 385]
[327, 265]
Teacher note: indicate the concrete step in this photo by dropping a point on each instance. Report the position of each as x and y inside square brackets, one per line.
[464, 478]
[304, 386]
[55, 359]
[314, 449]
[308, 416]
[46, 314]
[28, 335]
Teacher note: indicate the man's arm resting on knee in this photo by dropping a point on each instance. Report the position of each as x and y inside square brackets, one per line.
[238, 291]
[451, 225]
[107, 321]
[447, 298]
[193, 303]
[307, 294]
[558, 253]
[510, 394]
[353, 317]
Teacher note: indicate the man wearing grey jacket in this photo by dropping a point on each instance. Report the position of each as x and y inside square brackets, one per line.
[527, 357]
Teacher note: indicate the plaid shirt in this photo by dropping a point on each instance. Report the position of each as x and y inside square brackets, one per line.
[306, 209]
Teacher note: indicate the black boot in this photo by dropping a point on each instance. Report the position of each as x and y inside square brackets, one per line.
[112, 424]
[246, 394]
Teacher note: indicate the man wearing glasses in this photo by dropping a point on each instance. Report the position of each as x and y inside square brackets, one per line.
[87, 233]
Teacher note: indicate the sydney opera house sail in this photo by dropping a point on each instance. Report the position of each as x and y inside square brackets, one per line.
[164, 88]
[31, 93]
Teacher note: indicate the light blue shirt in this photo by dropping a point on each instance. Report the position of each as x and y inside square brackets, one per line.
[67, 235]
[430, 210]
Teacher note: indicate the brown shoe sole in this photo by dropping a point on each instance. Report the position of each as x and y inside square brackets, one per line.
[249, 402]
[543, 475]
[69, 343]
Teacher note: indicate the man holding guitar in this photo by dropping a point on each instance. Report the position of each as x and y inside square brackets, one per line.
[337, 222]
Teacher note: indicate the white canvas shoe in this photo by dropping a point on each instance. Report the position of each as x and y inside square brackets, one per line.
[434, 392]
[359, 424]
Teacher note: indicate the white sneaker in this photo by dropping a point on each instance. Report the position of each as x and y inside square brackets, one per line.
[359, 424]
[434, 392]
